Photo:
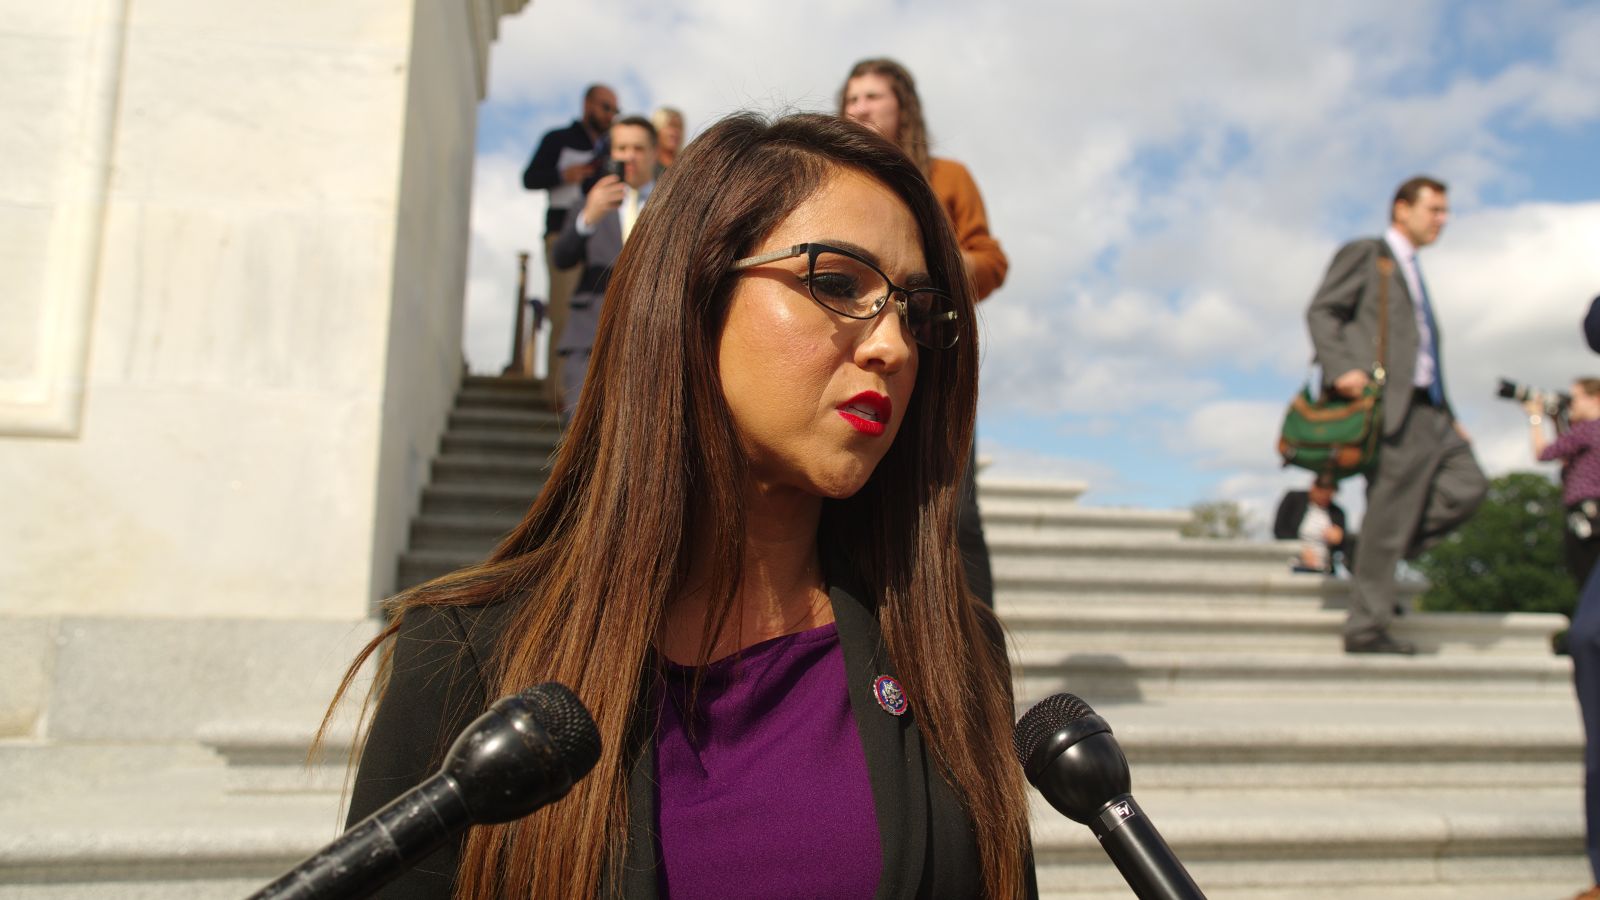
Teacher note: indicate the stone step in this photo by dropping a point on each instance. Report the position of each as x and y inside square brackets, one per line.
[1054, 514]
[1352, 744]
[1019, 580]
[534, 445]
[1162, 674]
[1022, 542]
[173, 830]
[473, 500]
[508, 418]
[512, 472]
[1379, 844]
[471, 536]
[1023, 491]
[151, 822]
[264, 756]
[503, 392]
[1174, 744]
[1068, 626]
[418, 566]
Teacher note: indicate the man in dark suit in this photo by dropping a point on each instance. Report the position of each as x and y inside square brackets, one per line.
[592, 238]
[566, 159]
[1427, 481]
[1312, 518]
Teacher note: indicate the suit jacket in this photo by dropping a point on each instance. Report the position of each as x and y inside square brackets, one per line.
[437, 686]
[596, 253]
[1343, 320]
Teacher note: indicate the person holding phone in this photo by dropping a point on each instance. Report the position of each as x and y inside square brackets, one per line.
[592, 239]
[563, 163]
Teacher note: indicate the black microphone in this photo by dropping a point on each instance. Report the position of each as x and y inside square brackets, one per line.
[1069, 754]
[525, 752]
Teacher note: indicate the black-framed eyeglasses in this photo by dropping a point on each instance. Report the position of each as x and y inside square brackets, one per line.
[843, 282]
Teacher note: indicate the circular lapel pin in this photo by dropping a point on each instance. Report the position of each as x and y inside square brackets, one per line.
[889, 694]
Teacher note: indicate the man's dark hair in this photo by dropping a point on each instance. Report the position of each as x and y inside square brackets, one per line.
[588, 92]
[639, 122]
[1412, 188]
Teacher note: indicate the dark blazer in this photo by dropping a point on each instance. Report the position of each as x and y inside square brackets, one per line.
[1343, 321]
[437, 687]
[1591, 325]
[1292, 509]
[597, 254]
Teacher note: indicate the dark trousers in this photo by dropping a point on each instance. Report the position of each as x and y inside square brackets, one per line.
[969, 531]
[1581, 555]
[1583, 641]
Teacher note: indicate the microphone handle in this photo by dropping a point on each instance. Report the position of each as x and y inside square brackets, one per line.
[379, 847]
[1140, 854]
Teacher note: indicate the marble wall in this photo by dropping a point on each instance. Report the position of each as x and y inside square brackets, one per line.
[233, 245]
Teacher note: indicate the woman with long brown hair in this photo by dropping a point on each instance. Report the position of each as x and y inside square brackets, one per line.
[744, 563]
[881, 94]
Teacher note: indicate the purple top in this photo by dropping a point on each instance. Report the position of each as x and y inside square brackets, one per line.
[1580, 477]
[771, 796]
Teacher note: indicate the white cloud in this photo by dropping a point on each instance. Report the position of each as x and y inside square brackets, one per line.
[506, 220]
[1169, 179]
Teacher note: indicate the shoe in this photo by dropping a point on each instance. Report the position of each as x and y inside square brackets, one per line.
[1380, 642]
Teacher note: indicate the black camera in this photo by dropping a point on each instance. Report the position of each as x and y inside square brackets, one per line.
[614, 167]
[1555, 403]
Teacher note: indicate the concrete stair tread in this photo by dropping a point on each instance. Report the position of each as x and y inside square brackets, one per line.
[1034, 613]
[1007, 508]
[1394, 723]
[180, 814]
[472, 492]
[494, 436]
[508, 417]
[1094, 574]
[1423, 665]
[1000, 486]
[1317, 819]
[469, 462]
[1008, 542]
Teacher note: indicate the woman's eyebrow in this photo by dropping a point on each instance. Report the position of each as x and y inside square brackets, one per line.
[918, 280]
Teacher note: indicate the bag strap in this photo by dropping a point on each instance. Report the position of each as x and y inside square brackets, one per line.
[1385, 272]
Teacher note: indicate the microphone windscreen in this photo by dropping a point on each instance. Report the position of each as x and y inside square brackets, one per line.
[1041, 723]
[562, 715]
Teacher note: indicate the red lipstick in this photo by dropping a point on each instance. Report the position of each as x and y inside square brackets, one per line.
[867, 412]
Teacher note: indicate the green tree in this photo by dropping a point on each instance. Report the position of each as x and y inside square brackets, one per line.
[1508, 557]
[1216, 519]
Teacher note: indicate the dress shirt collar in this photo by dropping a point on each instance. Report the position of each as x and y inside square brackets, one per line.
[1401, 245]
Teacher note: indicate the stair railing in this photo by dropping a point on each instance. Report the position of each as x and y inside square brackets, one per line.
[522, 338]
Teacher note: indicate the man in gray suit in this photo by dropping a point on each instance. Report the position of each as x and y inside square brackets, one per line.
[592, 238]
[1427, 481]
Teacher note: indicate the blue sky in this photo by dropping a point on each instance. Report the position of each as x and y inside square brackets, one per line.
[1169, 181]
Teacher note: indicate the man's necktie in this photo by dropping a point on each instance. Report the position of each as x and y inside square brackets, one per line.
[1436, 387]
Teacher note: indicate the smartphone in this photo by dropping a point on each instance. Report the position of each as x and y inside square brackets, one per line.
[613, 167]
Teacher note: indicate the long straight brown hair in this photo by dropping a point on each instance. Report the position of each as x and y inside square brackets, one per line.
[652, 462]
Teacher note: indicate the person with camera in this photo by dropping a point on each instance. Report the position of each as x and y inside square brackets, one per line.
[1374, 300]
[564, 161]
[1578, 449]
[593, 238]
